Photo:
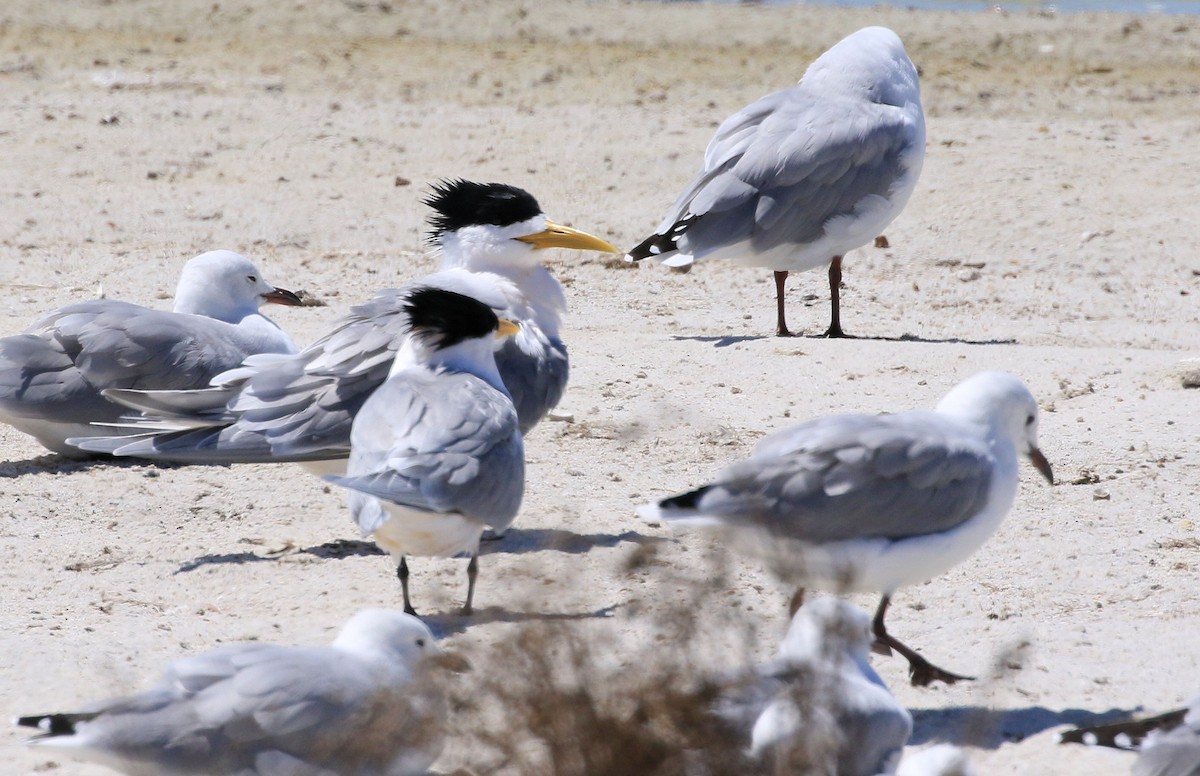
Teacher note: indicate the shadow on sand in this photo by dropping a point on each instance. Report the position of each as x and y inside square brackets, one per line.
[987, 728]
[445, 624]
[521, 540]
[724, 342]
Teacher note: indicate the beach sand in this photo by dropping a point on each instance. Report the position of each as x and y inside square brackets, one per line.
[1052, 235]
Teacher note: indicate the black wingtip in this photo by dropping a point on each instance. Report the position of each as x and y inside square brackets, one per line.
[1127, 734]
[658, 245]
[459, 203]
[50, 724]
[687, 500]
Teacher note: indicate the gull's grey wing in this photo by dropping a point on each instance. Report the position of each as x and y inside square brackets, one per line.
[853, 476]
[780, 169]
[536, 381]
[59, 366]
[442, 442]
[254, 708]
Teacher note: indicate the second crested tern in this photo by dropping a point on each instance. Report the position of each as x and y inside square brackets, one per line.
[436, 452]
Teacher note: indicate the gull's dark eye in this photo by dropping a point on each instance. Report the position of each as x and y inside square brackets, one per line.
[252, 279]
[420, 642]
[1029, 420]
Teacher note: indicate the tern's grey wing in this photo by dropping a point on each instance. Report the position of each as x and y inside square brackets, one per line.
[536, 381]
[58, 367]
[292, 408]
[443, 442]
[854, 476]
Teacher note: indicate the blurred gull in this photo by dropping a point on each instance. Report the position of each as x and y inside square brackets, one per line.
[800, 177]
[876, 502]
[1169, 743]
[436, 452]
[52, 375]
[821, 707]
[301, 408]
[368, 705]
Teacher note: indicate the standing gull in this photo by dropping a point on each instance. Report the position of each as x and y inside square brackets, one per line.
[436, 452]
[876, 502]
[368, 705]
[301, 408]
[53, 374]
[820, 706]
[800, 177]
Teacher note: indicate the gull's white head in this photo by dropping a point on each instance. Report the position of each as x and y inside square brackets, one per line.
[226, 286]
[871, 62]
[400, 639]
[494, 226]
[1001, 402]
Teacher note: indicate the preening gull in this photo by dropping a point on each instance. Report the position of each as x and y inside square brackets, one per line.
[798, 178]
[876, 502]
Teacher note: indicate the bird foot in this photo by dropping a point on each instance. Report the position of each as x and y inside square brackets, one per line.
[835, 332]
[922, 673]
[783, 332]
[466, 610]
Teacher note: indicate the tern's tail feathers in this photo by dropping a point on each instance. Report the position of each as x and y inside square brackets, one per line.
[1123, 735]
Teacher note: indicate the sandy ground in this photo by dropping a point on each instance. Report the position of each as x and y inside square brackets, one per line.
[1052, 234]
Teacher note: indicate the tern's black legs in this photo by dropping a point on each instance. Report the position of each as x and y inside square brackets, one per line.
[920, 671]
[835, 299]
[402, 573]
[472, 572]
[781, 329]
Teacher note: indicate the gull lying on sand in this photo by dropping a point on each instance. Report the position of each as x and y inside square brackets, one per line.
[52, 375]
[368, 705]
[876, 502]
